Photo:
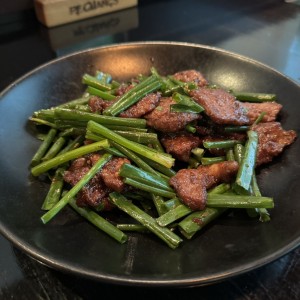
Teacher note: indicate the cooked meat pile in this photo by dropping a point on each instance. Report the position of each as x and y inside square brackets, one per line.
[191, 185]
[162, 119]
[221, 109]
[96, 192]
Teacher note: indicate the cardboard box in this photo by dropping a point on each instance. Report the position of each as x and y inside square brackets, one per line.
[57, 12]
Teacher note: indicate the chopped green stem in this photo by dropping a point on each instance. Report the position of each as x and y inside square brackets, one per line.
[198, 153]
[126, 128]
[130, 171]
[70, 114]
[158, 157]
[254, 97]
[114, 151]
[83, 107]
[173, 215]
[73, 144]
[212, 160]
[72, 132]
[67, 156]
[63, 124]
[103, 95]
[264, 215]
[55, 148]
[182, 84]
[158, 167]
[45, 114]
[172, 203]
[38, 121]
[147, 86]
[95, 82]
[159, 204]
[76, 188]
[133, 157]
[230, 154]
[43, 147]
[176, 209]
[148, 188]
[180, 108]
[139, 137]
[99, 222]
[165, 234]
[188, 102]
[157, 146]
[238, 151]
[73, 103]
[220, 144]
[220, 189]
[259, 118]
[197, 220]
[241, 128]
[193, 163]
[190, 128]
[55, 189]
[132, 227]
[239, 201]
[246, 169]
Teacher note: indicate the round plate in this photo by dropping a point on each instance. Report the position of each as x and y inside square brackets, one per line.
[231, 246]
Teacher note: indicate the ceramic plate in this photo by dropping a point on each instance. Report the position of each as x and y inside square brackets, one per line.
[229, 247]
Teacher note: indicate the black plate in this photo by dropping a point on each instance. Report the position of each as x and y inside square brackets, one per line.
[231, 246]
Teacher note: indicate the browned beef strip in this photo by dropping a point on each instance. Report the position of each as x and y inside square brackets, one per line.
[94, 194]
[220, 106]
[272, 139]
[162, 119]
[180, 145]
[219, 172]
[97, 104]
[110, 174]
[96, 191]
[255, 109]
[123, 88]
[138, 110]
[191, 76]
[191, 185]
[79, 167]
[142, 107]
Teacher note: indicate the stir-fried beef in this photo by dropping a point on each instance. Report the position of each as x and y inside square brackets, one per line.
[191, 76]
[110, 174]
[138, 110]
[272, 139]
[95, 194]
[97, 104]
[162, 119]
[271, 110]
[96, 191]
[142, 107]
[123, 88]
[191, 185]
[221, 106]
[180, 145]
[79, 167]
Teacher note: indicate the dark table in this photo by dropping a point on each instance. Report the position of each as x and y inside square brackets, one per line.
[268, 31]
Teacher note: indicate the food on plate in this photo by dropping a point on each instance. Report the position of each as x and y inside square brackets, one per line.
[170, 152]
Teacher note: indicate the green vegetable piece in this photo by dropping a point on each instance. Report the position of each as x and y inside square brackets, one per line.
[99, 222]
[165, 234]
